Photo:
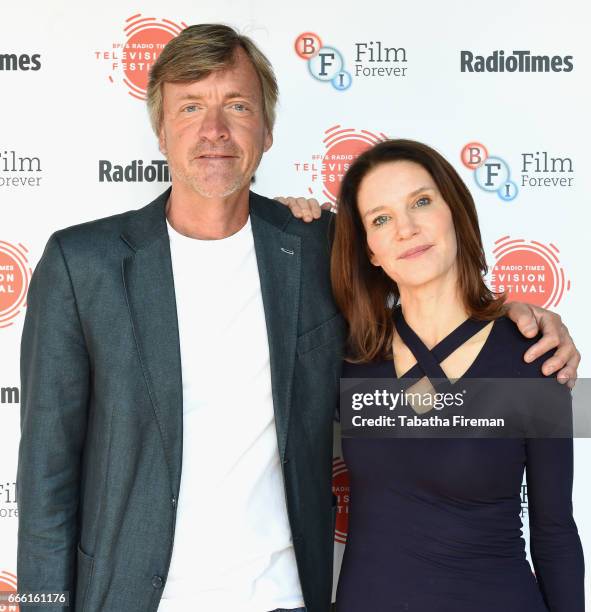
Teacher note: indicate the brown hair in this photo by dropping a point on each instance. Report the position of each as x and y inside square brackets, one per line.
[364, 293]
[196, 52]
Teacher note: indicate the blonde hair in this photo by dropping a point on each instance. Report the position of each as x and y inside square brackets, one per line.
[195, 53]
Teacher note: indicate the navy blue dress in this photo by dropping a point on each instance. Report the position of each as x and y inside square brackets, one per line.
[434, 524]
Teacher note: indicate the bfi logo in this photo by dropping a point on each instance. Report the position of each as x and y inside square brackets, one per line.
[491, 173]
[537, 170]
[325, 63]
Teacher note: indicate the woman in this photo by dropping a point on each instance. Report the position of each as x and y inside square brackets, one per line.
[434, 524]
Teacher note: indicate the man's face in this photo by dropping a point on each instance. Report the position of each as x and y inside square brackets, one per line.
[213, 130]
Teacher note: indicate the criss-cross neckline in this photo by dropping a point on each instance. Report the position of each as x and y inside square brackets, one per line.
[429, 360]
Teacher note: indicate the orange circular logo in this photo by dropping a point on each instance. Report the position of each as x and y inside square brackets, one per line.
[340, 488]
[132, 60]
[528, 271]
[14, 281]
[342, 147]
[8, 585]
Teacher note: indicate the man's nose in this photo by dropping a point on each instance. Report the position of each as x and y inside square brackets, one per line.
[213, 127]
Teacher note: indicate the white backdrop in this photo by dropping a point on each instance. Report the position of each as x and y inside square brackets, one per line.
[68, 103]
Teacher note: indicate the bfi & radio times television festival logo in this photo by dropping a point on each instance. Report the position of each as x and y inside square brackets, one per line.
[372, 59]
[15, 274]
[537, 170]
[130, 60]
[8, 585]
[325, 170]
[340, 488]
[528, 271]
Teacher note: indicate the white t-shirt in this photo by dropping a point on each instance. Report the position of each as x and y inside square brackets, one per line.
[232, 548]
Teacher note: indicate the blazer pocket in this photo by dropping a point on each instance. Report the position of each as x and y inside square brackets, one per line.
[85, 569]
[331, 330]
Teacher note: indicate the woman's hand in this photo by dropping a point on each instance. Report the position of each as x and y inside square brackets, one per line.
[306, 209]
[532, 319]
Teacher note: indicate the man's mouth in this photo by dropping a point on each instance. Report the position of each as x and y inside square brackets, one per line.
[215, 156]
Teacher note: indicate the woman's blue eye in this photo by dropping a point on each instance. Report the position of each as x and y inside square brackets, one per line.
[424, 200]
[377, 221]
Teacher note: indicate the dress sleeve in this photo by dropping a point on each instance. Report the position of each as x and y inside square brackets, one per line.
[555, 546]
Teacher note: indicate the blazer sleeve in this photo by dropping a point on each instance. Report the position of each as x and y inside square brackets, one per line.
[55, 376]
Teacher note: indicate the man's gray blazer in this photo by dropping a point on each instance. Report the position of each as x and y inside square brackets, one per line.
[102, 407]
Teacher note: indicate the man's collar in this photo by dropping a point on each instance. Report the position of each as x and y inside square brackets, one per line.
[148, 224]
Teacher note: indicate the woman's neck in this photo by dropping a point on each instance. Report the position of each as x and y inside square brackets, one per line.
[433, 312]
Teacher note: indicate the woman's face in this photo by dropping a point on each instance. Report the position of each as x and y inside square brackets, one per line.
[409, 227]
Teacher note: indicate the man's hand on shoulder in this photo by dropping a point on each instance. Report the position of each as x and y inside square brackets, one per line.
[306, 209]
[531, 320]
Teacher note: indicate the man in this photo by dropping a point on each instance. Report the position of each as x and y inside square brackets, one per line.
[198, 332]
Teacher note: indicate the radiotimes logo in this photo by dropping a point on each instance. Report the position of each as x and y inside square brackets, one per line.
[341, 489]
[372, 59]
[528, 271]
[326, 169]
[130, 61]
[22, 62]
[9, 395]
[537, 169]
[19, 171]
[517, 61]
[8, 585]
[136, 171]
[15, 274]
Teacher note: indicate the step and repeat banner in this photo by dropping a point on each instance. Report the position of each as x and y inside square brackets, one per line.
[501, 90]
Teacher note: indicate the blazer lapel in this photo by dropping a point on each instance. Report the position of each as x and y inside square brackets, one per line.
[279, 262]
[149, 288]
